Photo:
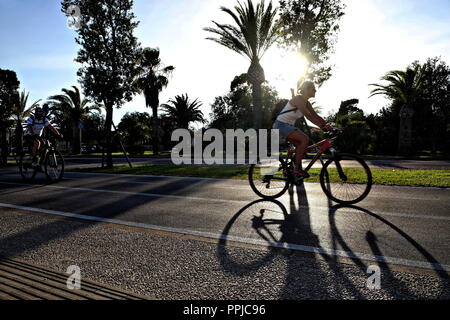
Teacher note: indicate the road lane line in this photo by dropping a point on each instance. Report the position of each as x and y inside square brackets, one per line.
[242, 202]
[210, 235]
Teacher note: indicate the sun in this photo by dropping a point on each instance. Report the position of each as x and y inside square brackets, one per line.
[285, 69]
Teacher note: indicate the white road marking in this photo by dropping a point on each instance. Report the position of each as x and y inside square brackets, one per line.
[325, 210]
[316, 250]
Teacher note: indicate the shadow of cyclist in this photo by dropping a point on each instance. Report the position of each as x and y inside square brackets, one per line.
[324, 275]
[323, 278]
[393, 284]
[270, 224]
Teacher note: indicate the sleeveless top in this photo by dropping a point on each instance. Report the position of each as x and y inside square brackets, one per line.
[289, 114]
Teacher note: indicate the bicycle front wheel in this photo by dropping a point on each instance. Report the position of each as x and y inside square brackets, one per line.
[25, 167]
[268, 181]
[54, 166]
[346, 179]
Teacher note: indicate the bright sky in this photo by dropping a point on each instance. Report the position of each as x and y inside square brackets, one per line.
[376, 36]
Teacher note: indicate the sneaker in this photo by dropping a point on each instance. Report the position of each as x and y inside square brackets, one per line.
[34, 165]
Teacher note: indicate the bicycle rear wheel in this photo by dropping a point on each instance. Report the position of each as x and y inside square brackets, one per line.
[346, 179]
[26, 170]
[268, 181]
[54, 166]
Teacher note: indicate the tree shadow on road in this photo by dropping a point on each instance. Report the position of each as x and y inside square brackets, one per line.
[18, 243]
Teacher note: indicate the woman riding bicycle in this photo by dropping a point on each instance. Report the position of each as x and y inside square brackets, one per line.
[296, 108]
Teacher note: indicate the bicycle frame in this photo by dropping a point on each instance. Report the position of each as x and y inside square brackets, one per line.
[46, 146]
[335, 162]
[43, 148]
[323, 146]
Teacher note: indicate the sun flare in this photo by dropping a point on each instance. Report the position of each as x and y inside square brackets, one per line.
[284, 70]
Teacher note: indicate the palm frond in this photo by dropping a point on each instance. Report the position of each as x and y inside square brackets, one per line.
[254, 33]
[183, 111]
[401, 86]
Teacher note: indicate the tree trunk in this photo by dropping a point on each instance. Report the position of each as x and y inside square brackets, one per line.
[257, 105]
[4, 146]
[19, 137]
[155, 131]
[405, 142]
[108, 134]
[256, 77]
[433, 127]
[76, 149]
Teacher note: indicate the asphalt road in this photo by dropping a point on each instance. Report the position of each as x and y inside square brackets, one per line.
[402, 227]
[380, 164]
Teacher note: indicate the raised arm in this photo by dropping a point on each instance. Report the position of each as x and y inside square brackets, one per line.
[54, 130]
[312, 116]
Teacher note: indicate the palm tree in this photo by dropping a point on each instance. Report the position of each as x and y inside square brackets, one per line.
[75, 109]
[255, 33]
[153, 79]
[183, 111]
[403, 89]
[20, 113]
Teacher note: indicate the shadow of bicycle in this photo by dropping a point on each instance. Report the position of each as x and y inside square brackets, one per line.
[286, 234]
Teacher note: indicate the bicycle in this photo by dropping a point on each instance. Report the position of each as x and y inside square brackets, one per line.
[51, 162]
[344, 178]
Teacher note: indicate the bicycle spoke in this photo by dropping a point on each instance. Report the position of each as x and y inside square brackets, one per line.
[268, 181]
[25, 167]
[347, 181]
[54, 166]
